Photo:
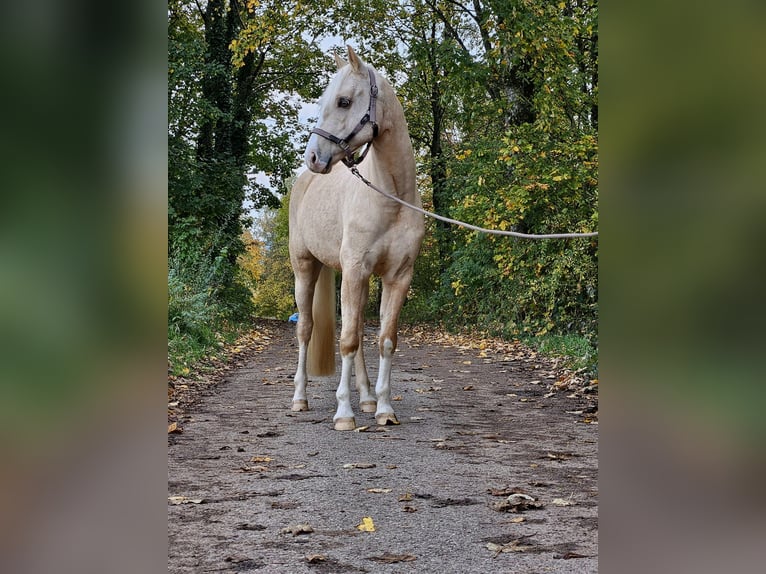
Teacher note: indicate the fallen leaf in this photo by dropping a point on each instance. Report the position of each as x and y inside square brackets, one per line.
[468, 388]
[379, 490]
[408, 508]
[367, 525]
[406, 497]
[174, 428]
[387, 558]
[361, 429]
[505, 491]
[513, 546]
[285, 505]
[558, 455]
[261, 459]
[517, 503]
[297, 529]
[246, 526]
[259, 468]
[396, 398]
[570, 555]
[315, 558]
[563, 502]
[184, 500]
[359, 465]
[517, 520]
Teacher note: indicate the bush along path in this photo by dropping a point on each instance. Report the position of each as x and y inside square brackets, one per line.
[493, 468]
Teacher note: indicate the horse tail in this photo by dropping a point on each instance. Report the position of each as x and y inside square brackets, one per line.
[321, 351]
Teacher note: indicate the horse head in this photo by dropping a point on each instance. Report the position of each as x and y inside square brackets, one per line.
[347, 116]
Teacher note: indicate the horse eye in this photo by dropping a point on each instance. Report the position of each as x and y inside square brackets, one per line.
[344, 102]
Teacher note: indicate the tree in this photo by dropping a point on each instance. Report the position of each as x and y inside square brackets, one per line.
[231, 64]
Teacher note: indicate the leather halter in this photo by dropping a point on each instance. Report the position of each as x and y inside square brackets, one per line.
[369, 117]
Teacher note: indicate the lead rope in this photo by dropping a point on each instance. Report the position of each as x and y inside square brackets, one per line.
[369, 184]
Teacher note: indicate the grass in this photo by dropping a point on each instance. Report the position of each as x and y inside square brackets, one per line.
[578, 353]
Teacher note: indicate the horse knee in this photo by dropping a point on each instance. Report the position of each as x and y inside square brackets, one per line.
[387, 345]
[349, 343]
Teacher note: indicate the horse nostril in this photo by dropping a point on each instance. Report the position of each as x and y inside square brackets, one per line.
[313, 157]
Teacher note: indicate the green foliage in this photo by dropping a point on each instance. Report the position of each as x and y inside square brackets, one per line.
[578, 353]
[501, 99]
[194, 317]
[536, 183]
[230, 64]
[274, 293]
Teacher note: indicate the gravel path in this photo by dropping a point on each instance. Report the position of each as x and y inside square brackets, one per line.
[488, 471]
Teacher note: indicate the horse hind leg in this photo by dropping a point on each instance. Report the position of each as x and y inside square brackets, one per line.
[367, 402]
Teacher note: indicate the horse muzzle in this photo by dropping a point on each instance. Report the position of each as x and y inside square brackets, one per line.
[316, 163]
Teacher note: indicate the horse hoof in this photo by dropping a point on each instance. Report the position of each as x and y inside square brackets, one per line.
[345, 423]
[300, 406]
[384, 419]
[368, 406]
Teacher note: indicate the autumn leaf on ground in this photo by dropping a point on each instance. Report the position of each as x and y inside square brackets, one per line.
[517, 503]
[379, 490]
[261, 459]
[315, 558]
[174, 428]
[563, 502]
[406, 497]
[351, 465]
[297, 529]
[505, 491]
[367, 525]
[570, 555]
[184, 500]
[387, 558]
[513, 546]
[258, 468]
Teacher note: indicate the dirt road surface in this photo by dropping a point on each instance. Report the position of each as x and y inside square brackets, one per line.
[492, 469]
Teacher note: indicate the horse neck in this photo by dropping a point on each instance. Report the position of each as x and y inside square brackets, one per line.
[393, 151]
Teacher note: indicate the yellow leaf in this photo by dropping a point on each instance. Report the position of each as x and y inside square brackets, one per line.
[367, 525]
[261, 459]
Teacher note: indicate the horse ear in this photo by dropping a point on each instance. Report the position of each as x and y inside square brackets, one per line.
[340, 62]
[353, 59]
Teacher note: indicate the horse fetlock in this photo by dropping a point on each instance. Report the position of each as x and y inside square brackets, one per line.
[368, 406]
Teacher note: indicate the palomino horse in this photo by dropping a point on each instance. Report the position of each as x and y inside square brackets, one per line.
[336, 222]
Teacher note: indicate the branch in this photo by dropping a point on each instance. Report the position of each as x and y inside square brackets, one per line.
[452, 32]
[202, 12]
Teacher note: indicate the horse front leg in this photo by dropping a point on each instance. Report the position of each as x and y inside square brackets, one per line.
[394, 294]
[352, 297]
[306, 274]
